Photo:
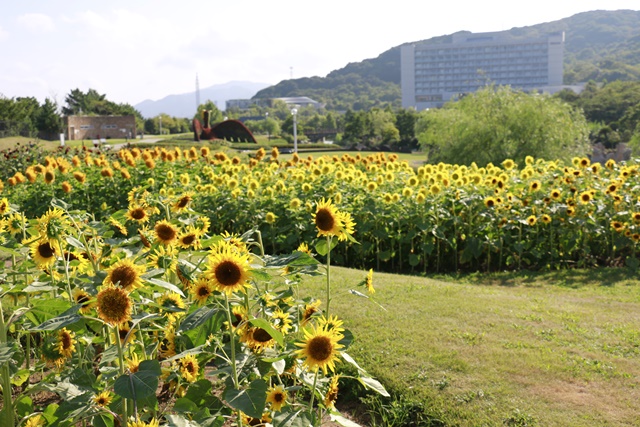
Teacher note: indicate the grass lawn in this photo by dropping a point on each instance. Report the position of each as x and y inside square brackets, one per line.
[553, 349]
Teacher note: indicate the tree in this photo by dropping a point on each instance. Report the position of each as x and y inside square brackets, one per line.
[496, 123]
[215, 115]
[48, 120]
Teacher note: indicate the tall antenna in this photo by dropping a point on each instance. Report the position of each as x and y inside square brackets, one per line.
[197, 93]
[291, 72]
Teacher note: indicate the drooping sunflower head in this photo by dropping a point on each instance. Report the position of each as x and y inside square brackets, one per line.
[228, 270]
[257, 339]
[125, 274]
[320, 349]
[310, 310]
[82, 298]
[189, 368]
[54, 225]
[331, 395]
[166, 233]
[66, 343]
[114, 305]
[277, 397]
[182, 202]
[172, 304]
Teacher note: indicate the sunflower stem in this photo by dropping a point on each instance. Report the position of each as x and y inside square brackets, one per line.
[6, 377]
[328, 274]
[65, 260]
[125, 415]
[313, 392]
[259, 233]
[233, 343]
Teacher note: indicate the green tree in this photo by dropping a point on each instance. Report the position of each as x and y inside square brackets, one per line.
[48, 120]
[215, 115]
[496, 123]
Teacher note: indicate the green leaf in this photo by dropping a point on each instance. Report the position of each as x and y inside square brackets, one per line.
[197, 318]
[264, 324]
[292, 419]
[75, 243]
[20, 377]
[322, 247]
[251, 400]
[103, 420]
[39, 287]
[139, 385]
[351, 360]
[180, 421]
[23, 406]
[343, 421]
[7, 350]
[58, 322]
[374, 385]
[166, 285]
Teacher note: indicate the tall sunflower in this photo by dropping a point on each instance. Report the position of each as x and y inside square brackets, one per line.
[114, 305]
[277, 397]
[228, 270]
[125, 274]
[320, 349]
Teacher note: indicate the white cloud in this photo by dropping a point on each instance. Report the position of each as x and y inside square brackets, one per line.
[36, 22]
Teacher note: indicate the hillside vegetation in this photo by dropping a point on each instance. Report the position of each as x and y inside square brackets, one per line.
[600, 46]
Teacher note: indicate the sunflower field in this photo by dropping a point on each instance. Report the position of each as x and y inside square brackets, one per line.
[159, 286]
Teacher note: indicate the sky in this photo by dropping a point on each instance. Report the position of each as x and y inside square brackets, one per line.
[147, 49]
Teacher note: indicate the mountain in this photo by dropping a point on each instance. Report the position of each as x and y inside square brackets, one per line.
[184, 105]
[599, 45]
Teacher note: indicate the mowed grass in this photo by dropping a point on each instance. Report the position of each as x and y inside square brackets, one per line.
[556, 349]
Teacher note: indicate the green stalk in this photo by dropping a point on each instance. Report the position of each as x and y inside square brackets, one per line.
[232, 341]
[9, 420]
[328, 275]
[125, 415]
[313, 392]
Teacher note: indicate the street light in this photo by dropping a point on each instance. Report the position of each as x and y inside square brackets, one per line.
[266, 119]
[294, 112]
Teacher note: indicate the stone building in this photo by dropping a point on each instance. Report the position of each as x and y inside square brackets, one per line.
[99, 127]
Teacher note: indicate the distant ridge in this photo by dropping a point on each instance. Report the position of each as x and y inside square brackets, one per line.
[600, 45]
[184, 105]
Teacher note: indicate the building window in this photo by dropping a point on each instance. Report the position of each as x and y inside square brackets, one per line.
[85, 127]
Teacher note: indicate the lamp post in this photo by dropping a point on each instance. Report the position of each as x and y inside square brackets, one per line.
[294, 112]
[266, 119]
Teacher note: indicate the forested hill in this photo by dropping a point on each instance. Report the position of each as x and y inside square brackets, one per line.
[599, 45]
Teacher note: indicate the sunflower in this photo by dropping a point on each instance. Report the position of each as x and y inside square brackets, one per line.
[123, 332]
[190, 238]
[332, 392]
[152, 423]
[201, 290]
[489, 202]
[585, 197]
[44, 253]
[163, 257]
[53, 225]
[257, 339]
[320, 349]
[281, 320]
[133, 363]
[173, 304]
[303, 247]
[103, 399]
[167, 346]
[125, 274]
[182, 202]
[309, 310]
[4, 206]
[332, 324]
[140, 214]
[636, 217]
[66, 343]
[189, 368]
[16, 223]
[545, 218]
[617, 225]
[369, 282]
[166, 233]
[82, 298]
[228, 269]
[532, 220]
[270, 218]
[49, 176]
[326, 219]
[277, 397]
[35, 421]
[114, 305]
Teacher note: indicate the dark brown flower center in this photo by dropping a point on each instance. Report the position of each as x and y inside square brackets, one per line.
[228, 273]
[320, 348]
[165, 232]
[278, 397]
[260, 335]
[324, 220]
[65, 339]
[45, 250]
[203, 291]
[124, 276]
[189, 239]
[138, 213]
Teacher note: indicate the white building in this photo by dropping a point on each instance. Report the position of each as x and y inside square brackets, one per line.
[432, 74]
